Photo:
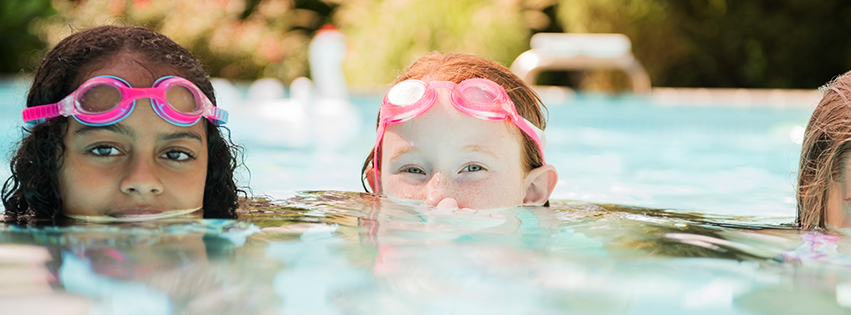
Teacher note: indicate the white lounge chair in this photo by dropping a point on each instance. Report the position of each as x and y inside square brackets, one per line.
[560, 51]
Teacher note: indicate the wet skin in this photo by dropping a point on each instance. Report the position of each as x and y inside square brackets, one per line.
[139, 166]
[447, 159]
[838, 205]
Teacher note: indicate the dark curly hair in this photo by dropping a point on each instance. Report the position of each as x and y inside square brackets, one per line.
[32, 192]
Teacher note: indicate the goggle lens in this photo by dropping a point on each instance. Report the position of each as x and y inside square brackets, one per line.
[182, 99]
[100, 99]
[480, 93]
[406, 93]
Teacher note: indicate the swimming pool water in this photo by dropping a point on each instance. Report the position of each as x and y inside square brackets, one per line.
[725, 160]
[345, 253]
[348, 253]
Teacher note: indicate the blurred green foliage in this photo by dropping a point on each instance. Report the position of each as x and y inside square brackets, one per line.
[19, 48]
[386, 36]
[247, 39]
[235, 39]
[711, 43]
[722, 43]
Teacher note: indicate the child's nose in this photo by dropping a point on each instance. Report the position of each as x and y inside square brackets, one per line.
[438, 189]
[141, 178]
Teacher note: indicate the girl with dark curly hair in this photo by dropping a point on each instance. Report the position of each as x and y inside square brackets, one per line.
[122, 126]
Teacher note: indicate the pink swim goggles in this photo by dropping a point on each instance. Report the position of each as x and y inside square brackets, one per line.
[106, 100]
[480, 98]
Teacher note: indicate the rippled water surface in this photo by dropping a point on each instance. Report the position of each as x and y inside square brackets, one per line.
[348, 253]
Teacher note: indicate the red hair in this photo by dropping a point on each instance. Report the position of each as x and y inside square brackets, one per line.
[459, 67]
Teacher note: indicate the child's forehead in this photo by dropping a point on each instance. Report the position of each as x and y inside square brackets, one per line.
[448, 140]
[443, 120]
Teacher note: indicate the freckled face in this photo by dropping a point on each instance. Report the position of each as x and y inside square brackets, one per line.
[141, 165]
[445, 155]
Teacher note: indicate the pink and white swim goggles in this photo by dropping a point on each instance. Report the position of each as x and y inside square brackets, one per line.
[106, 100]
[480, 98]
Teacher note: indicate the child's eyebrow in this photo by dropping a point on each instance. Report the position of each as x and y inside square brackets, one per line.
[180, 135]
[402, 151]
[478, 148]
[127, 131]
[116, 128]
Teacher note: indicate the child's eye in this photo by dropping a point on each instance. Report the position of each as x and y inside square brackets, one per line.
[105, 150]
[177, 155]
[413, 170]
[472, 168]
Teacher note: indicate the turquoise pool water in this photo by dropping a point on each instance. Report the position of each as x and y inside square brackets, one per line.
[331, 252]
[345, 253]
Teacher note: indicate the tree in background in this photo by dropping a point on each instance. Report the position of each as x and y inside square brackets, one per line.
[248, 39]
[19, 48]
[697, 43]
[236, 39]
[386, 36]
[720, 43]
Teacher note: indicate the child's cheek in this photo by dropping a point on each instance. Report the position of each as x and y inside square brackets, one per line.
[491, 192]
[478, 194]
[399, 187]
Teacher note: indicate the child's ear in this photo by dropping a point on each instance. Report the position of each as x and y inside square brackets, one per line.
[540, 184]
[370, 178]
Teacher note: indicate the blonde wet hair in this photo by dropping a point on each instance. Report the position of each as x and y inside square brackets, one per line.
[827, 142]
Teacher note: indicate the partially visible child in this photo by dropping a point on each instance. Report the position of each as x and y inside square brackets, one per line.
[460, 131]
[824, 189]
[122, 125]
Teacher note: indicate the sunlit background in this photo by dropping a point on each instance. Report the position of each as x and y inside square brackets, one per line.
[699, 43]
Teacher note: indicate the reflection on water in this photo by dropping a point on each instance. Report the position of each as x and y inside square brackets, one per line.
[350, 253]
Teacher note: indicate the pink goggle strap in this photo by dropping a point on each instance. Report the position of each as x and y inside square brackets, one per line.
[37, 113]
[382, 126]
